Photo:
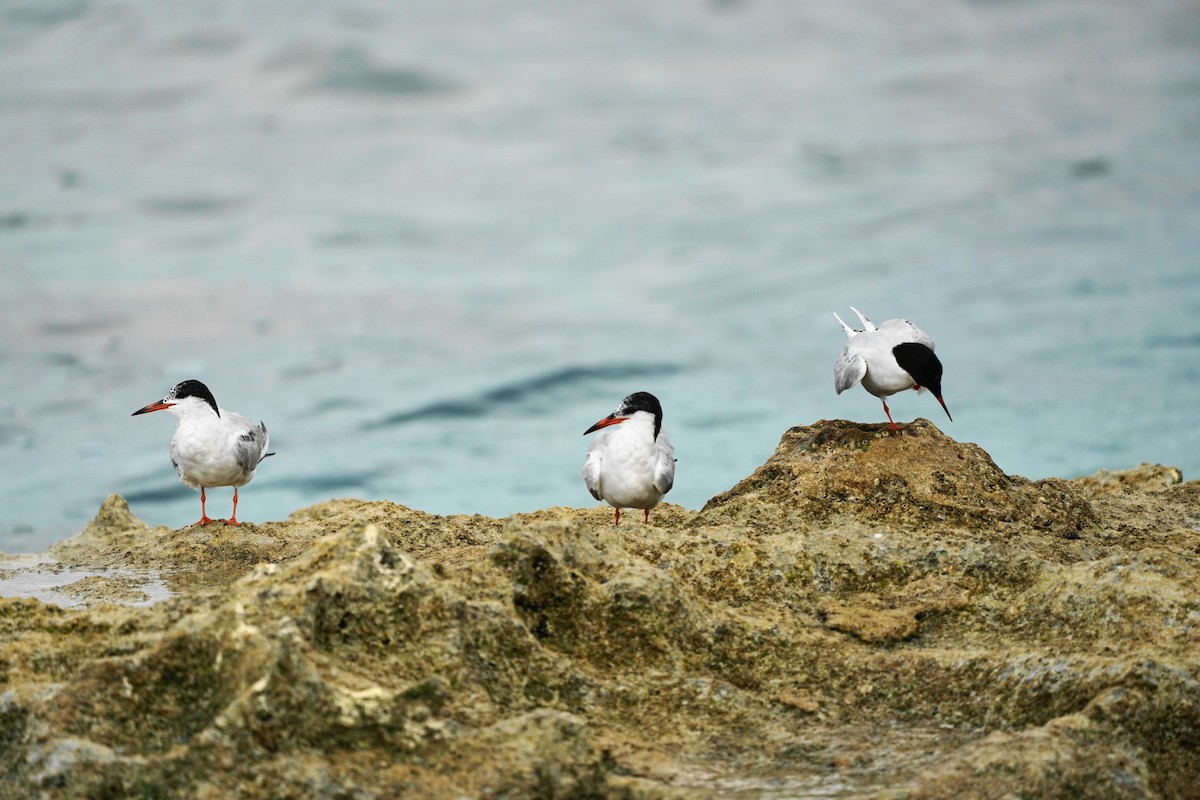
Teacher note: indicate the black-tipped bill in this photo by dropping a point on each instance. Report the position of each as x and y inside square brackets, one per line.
[943, 402]
[611, 419]
[159, 406]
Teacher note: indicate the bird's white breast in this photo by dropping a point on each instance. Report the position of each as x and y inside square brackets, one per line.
[629, 457]
[204, 450]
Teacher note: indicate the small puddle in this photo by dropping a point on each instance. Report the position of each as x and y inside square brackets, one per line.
[51, 582]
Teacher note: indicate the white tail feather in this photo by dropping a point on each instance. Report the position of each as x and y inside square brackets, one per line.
[850, 332]
[867, 324]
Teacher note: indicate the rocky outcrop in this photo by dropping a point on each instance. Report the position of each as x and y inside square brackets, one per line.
[871, 613]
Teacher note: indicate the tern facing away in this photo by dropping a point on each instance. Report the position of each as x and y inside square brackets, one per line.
[891, 358]
[211, 446]
[631, 463]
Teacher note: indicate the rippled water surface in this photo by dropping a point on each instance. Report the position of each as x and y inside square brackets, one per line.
[431, 243]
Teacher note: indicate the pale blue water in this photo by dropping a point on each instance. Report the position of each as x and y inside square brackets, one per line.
[431, 243]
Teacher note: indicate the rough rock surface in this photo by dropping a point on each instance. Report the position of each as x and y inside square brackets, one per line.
[870, 614]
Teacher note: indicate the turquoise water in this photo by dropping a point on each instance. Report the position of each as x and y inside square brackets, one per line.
[431, 243]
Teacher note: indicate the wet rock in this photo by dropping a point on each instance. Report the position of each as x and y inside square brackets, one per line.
[98, 588]
[870, 613]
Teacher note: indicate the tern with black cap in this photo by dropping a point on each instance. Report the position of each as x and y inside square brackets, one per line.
[211, 446]
[887, 359]
[631, 463]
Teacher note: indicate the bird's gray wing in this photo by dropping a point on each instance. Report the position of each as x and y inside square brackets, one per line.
[664, 467]
[591, 470]
[848, 370]
[251, 446]
[266, 440]
[176, 458]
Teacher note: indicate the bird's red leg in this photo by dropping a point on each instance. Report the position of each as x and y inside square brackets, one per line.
[617, 521]
[204, 518]
[233, 517]
[891, 421]
[646, 518]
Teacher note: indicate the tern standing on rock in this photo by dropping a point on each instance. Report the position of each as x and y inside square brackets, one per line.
[891, 358]
[631, 463]
[211, 446]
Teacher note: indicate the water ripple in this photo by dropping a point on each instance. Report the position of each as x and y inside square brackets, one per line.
[351, 70]
[521, 392]
[338, 482]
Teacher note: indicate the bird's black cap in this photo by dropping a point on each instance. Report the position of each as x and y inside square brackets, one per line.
[192, 388]
[643, 401]
[923, 365]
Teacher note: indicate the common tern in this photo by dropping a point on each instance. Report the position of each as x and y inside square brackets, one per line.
[631, 463]
[891, 358]
[211, 446]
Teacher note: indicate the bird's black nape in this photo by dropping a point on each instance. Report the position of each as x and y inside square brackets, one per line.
[192, 388]
[643, 401]
[921, 363]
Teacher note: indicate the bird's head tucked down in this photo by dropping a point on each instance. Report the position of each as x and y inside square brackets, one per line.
[185, 397]
[923, 365]
[638, 402]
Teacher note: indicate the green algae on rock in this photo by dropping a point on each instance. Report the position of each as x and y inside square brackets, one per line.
[871, 613]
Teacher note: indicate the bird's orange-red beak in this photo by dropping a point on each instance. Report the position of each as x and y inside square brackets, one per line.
[611, 419]
[159, 406]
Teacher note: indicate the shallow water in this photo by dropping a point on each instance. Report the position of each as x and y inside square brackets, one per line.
[430, 244]
[50, 582]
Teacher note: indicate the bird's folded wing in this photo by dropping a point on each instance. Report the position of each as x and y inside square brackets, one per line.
[591, 472]
[266, 441]
[664, 467]
[250, 447]
[848, 370]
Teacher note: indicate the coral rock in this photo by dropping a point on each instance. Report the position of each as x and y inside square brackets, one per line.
[871, 612]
